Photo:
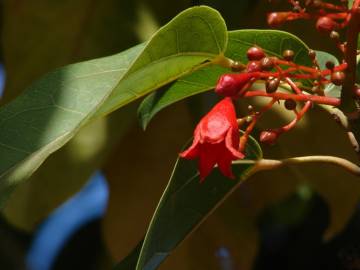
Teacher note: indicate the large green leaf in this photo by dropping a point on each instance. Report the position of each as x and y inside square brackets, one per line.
[272, 41]
[54, 108]
[186, 202]
[89, 149]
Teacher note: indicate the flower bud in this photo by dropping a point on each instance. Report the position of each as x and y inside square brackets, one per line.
[253, 66]
[255, 53]
[288, 55]
[268, 137]
[326, 24]
[334, 35]
[267, 63]
[230, 84]
[338, 77]
[272, 85]
[276, 19]
[357, 91]
[330, 65]
[290, 104]
[312, 54]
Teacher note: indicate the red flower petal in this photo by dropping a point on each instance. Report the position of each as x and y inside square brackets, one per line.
[229, 143]
[207, 160]
[225, 166]
[193, 151]
[216, 140]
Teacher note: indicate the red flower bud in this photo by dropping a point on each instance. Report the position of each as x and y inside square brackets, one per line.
[216, 140]
[276, 19]
[356, 91]
[229, 85]
[255, 53]
[253, 66]
[326, 25]
[337, 78]
[268, 136]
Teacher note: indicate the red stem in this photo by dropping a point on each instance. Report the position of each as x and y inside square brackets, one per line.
[244, 138]
[314, 73]
[297, 119]
[333, 7]
[325, 72]
[293, 86]
[297, 97]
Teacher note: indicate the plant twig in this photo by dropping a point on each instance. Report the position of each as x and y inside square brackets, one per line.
[303, 97]
[347, 101]
[269, 164]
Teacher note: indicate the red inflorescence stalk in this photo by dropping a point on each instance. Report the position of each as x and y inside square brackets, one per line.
[299, 115]
[302, 86]
[275, 71]
[298, 97]
[250, 127]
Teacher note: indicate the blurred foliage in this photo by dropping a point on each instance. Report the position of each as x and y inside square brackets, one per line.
[41, 35]
[74, 31]
[111, 82]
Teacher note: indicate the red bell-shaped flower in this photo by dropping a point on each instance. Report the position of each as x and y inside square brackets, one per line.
[216, 140]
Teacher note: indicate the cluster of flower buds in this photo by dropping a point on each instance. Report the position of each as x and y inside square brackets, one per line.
[216, 137]
[330, 18]
[280, 74]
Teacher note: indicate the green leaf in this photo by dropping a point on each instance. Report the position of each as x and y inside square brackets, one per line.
[56, 107]
[89, 149]
[331, 90]
[51, 111]
[350, 3]
[195, 83]
[129, 262]
[172, 55]
[186, 202]
[273, 42]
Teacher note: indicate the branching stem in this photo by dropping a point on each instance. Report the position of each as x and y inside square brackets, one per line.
[303, 97]
[270, 164]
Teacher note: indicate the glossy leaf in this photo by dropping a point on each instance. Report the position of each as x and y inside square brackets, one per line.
[54, 109]
[273, 42]
[89, 149]
[186, 202]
